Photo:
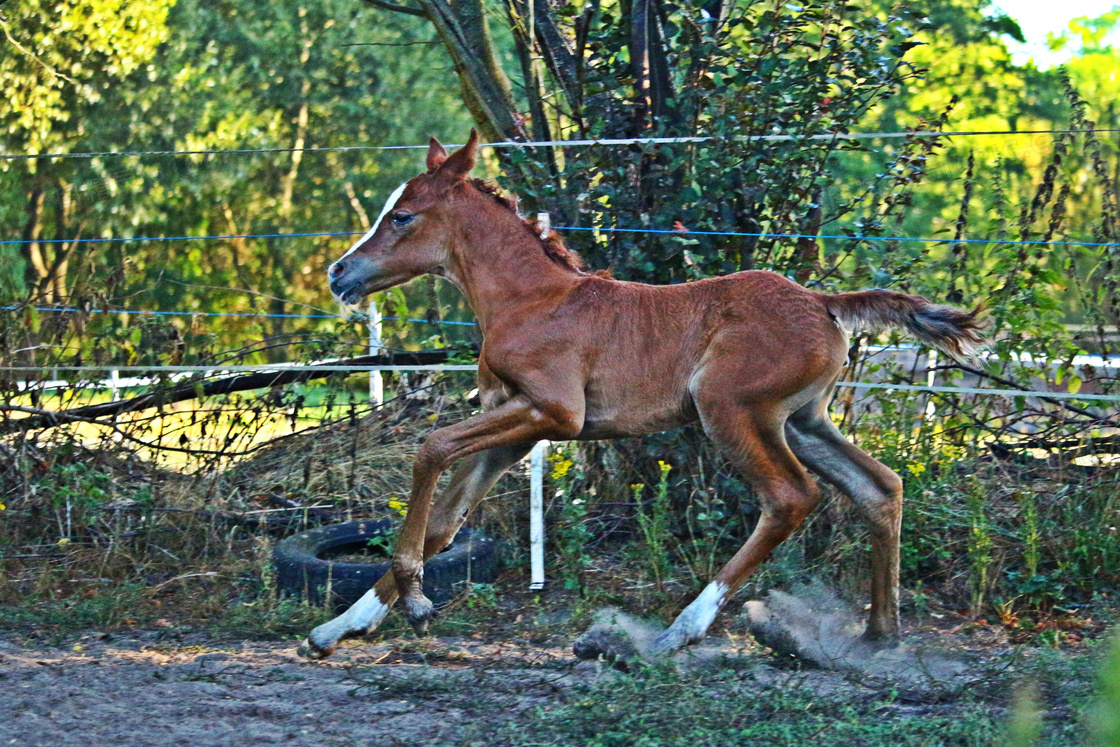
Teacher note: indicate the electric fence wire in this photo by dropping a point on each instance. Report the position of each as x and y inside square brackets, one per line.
[669, 231]
[533, 144]
[249, 314]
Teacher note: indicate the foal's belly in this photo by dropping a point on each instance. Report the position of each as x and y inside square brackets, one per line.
[646, 407]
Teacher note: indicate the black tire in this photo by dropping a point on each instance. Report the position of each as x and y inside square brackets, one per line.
[302, 572]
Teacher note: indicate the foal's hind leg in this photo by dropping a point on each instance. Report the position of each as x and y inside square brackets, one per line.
[472, 480]
[754, 441]
[874, 488]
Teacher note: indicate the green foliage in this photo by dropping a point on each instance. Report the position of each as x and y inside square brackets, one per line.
[1105, 717]
[64, 58]
[664, 706]
[979, 547]
[229, 75]
[755, 76]
[654, 523]
[572, 532]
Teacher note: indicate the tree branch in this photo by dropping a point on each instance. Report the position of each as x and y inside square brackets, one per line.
[557, 55]
[485, 88]
[183, 392]
[397, 8]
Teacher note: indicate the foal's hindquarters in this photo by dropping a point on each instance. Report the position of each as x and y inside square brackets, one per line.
[762, 393]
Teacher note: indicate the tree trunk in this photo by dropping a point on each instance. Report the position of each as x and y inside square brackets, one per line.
[485, 87]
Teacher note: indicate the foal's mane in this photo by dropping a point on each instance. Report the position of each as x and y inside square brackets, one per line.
[553, 245]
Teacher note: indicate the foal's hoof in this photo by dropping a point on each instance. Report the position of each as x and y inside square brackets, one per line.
[309, 650]
[669, 641]
[419, 611]
[610, 644]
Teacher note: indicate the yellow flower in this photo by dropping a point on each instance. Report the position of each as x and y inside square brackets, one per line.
[916, 468]
[398, 505]
[3, 507]
[64, 542]
[561, 468]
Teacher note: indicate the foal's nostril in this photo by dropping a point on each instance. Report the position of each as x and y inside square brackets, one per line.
[335, 270]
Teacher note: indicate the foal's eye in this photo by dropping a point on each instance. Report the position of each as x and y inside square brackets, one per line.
[402, 219]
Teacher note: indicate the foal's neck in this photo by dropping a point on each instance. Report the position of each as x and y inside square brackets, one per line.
[501, 266]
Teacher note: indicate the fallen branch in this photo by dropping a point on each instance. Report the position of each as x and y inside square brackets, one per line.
[40, 419]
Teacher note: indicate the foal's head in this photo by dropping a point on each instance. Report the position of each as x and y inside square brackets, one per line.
[412, 236]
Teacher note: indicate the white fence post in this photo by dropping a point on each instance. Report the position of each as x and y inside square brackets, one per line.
[376, 383]
[115, 384]
[931, 376]
[536, 515]
[544, 223]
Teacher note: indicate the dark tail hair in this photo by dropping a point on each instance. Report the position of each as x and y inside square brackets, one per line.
[949, 329]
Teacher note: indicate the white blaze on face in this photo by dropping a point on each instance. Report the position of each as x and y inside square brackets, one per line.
[389, 204]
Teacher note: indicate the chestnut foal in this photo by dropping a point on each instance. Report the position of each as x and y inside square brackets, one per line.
[752, 356]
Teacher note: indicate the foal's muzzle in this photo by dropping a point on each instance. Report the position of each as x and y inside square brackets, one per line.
[348, 279]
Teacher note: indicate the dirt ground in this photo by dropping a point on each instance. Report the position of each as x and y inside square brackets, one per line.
[149, 688]
[140, 691]
[497, 685]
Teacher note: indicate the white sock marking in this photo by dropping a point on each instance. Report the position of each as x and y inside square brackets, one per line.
[389, 204]
[697, 617]
[363, 615]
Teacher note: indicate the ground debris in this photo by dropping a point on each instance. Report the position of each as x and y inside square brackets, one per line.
[819, 631]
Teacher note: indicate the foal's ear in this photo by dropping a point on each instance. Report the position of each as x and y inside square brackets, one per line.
[460, 163]
[437, 154]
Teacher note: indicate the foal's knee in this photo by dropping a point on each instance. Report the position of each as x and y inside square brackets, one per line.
[408, 571]
[432, 456]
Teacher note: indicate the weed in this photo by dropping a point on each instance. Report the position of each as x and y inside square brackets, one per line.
[125, 604]
[979, 548]
[1031, 536]
[654, 523]
[1025, 726]
[572, 534]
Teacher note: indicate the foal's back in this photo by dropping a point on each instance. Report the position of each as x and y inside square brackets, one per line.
[650, 348]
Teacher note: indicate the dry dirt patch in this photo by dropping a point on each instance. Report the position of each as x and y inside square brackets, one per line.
[130, 691]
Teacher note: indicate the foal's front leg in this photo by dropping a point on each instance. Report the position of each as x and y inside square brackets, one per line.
[518, 421]
[474, 476]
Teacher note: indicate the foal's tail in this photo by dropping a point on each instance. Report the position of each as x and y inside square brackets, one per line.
[952, 330]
